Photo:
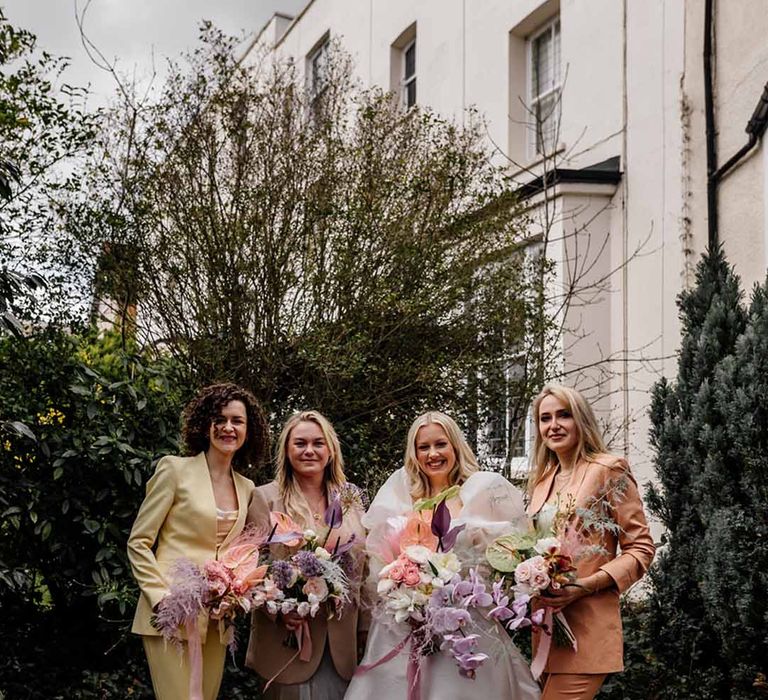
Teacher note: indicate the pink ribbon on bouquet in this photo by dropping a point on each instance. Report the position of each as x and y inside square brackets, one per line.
[414, 668]
[195, 648]
[545, 642]
[304, 640]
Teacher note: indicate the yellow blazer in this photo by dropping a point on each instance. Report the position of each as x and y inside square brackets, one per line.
[177, 519]
[266, 651]
[595, 619]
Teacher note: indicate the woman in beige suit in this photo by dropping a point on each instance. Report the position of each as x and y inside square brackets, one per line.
[195, 506]
[572, 469]
[309, 471]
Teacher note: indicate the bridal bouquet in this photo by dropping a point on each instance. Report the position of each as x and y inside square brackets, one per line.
[422, 586]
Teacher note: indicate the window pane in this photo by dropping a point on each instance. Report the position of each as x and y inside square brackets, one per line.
[542, 62]
[410, 93]
[410, 61]
[547, 122]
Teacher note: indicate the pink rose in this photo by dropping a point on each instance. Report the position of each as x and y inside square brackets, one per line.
[523, 572]
[397, 572]
[218, 578]
[539, 580]
[412, 577]
[316, 588]
[539, 564]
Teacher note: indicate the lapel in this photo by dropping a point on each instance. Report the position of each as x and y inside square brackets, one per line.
[540, 493]
[202, 488]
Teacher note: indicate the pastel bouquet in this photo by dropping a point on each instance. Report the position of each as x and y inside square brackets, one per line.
[422, 586]
[537, 565]
[308, 572]
[220, 589]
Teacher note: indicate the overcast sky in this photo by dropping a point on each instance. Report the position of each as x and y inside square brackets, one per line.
[129, 31]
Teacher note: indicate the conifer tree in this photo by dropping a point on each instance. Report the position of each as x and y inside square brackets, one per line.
[735, 576]
[690, 436]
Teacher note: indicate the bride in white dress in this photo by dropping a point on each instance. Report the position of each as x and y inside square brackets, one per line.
[437, 457]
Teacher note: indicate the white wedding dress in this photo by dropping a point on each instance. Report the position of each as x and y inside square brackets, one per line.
[491, 506]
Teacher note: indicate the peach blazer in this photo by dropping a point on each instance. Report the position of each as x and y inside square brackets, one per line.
[266, 652]
[177, 519]
[595, 619]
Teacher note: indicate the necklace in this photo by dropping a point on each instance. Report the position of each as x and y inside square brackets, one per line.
[315, 510]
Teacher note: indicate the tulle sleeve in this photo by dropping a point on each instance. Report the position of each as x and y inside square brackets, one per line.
[389, 506]
[491, 507]
[392, 499]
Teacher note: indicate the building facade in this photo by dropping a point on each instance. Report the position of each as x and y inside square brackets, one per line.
[597, 109]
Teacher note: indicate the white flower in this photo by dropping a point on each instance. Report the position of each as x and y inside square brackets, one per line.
[546, 544]
[314, 607]
[303, 608]
[310, 534]
[272, 608]
[322, 553]
[287, 606]
[426, 578]
[385, 586]
[418, 553]
[437, 582]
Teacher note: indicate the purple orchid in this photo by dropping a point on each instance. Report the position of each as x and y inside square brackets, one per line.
[512, 616]
[472, 592]
[333, 514]
[444, 620]
[463, 649]
[441, 527]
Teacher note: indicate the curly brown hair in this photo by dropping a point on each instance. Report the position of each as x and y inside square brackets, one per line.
[201, 411]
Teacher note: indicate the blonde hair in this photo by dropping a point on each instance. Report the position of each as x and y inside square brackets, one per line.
[466, 462]
[590, 441]
[296, 504]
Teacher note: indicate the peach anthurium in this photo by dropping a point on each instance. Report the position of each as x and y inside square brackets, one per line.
[418, 530]
[283, 525]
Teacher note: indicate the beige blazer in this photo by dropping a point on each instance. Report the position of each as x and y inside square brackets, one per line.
[595, 619]
[266, 652]
[177, 519]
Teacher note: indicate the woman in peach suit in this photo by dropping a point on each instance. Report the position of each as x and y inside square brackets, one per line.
[309, 473]
[573, 471]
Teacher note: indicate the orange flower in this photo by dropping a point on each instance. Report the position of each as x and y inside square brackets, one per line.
[418, 530]
[285, 525]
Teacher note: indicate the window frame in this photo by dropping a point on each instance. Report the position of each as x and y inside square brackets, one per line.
[320, 50]
[556, 90]
[407, 80]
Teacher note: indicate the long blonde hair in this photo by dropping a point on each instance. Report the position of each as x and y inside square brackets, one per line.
[466, 462]
[590, 441]
[296, 504]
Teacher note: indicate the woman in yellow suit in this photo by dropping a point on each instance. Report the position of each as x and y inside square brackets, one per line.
[195, 506]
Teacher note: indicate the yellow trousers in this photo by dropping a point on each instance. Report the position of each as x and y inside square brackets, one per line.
[572, 686]
[169, 666]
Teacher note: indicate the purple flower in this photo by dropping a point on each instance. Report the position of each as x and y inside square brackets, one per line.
[309, 565]
[441, 527]
[283, 574]
[472, 592]
[444, 620]
[333, 515]
[463, 649]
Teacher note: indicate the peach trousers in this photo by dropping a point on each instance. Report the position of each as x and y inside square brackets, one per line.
[572, 686]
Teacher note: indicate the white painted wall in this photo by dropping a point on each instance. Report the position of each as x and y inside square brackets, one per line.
[633, 88]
